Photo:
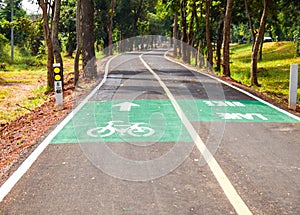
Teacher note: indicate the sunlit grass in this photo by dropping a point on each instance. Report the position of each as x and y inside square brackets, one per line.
[23, 84]
[274, 68]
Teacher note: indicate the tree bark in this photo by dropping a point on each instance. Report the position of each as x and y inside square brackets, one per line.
[137, 15]
[253, 34]
[219, 44]
[175, 38]
[208, 40]
[226, 38]
[47, 32]
[191, 32]
[55, 40]
[257, 43]
[260, 50]
[79, 41]
[184, 38]
[110, 27]
[297, 43]
[199, 42]
[88, 38]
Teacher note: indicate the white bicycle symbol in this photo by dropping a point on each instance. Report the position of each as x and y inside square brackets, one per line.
[134, 130]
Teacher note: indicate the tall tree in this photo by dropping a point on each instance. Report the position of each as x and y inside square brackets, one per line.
[208, 40]
[184, 37]
[88, 38]
[47, 25]
[20, 36]
[219, 42]
[258, 42]
[55, 40]
[193, 15]
[175, 36]
[226, 38]
[248, 12]
[78, 40]
[110, 27]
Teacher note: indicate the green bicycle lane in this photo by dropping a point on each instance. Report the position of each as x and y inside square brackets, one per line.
[73, 183]
[114, 121]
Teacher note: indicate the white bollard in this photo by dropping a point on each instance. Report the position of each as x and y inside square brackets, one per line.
[293, 86]
[58, 86]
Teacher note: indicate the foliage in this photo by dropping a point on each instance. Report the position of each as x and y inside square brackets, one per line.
[144, 17]
[3, 41]
[67, 27]
[20, 36]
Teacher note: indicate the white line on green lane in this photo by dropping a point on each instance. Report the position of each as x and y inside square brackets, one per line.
[233, 87]
[232, 195]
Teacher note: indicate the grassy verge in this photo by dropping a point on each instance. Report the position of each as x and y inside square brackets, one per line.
[274, 68]
[23, 85]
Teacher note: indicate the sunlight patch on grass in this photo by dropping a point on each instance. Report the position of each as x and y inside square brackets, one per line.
[274, 68]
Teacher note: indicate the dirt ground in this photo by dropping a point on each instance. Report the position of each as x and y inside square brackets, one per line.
[21, 136]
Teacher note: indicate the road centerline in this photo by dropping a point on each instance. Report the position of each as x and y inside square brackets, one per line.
[230, 192]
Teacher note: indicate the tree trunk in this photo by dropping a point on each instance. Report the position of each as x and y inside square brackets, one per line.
[184, 38]
[297, 42]
[298, 45]
[260, 50]
[219, 44]
[199, 55]
[88, 38]
[208, 40]
[79, 41]
[226, 38]
[136, 16]
[175, 27]
[110, 28]
[55, 40]
[257, 43]
[47, 32]
[191, 32]
[250, 23]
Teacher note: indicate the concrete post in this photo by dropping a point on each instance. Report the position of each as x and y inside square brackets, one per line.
[58, 86]
[293, 86]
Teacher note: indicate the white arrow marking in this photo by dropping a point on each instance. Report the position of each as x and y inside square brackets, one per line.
[126, 106]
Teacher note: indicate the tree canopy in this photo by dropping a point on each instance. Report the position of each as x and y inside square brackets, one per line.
[203, 24]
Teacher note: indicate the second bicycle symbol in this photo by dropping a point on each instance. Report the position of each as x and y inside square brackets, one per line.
[137, 129]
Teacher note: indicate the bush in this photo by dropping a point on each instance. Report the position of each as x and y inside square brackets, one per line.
[3, 42]
[3, 45]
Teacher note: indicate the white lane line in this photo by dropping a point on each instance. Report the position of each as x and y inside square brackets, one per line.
[17, 175]
[234, 87]
[230, 192]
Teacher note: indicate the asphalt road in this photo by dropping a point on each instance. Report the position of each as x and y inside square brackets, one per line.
[159, 138]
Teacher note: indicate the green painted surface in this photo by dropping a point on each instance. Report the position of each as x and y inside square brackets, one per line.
[157, 120]
[157, 115]
[236, 111]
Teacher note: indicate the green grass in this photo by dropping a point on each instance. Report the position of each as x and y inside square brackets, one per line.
[274, 68]
[23, 83]
[21, 106]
